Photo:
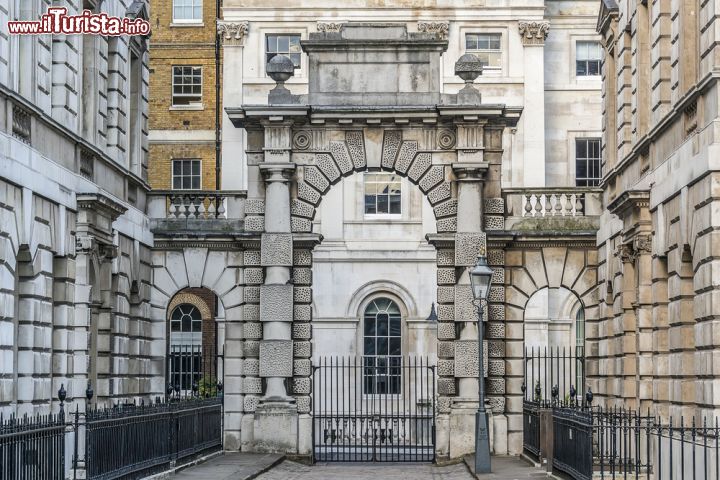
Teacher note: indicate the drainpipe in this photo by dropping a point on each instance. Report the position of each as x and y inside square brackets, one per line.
[218, 153]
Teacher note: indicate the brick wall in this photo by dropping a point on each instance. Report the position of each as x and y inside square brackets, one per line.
[162, 155]
[174, 44]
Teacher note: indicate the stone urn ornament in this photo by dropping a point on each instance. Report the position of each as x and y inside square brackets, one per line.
[280, 68]
[469, 67]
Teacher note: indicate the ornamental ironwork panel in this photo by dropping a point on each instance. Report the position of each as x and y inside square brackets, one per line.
[374, 409]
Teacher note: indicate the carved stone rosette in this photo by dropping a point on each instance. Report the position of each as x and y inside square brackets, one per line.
[440, 29]
[232, 33]
[533, 33]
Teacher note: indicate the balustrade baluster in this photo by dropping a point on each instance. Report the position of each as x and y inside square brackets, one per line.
[526, 205]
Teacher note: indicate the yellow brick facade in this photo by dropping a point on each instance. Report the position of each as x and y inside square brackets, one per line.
[172, 45]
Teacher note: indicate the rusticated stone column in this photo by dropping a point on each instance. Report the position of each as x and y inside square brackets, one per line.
[276, 417]
[470, 242]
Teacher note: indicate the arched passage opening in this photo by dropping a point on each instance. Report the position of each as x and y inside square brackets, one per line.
[554, 331]
[194, 344]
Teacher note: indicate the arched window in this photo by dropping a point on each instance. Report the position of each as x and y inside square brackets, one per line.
[382, 347]
[580, 345]
[185, 346]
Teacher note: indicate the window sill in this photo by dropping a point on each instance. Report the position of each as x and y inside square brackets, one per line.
[191, 108]
[192, 24]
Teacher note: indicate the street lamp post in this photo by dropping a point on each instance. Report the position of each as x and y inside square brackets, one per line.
[480, 281]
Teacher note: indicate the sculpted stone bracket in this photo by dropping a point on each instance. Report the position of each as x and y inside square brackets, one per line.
[533, 33]
[96, 214]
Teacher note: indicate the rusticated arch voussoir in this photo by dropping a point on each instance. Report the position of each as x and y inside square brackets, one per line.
[344, 158]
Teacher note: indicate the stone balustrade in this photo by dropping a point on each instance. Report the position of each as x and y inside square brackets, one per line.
[548, 208]
[553, 202]
[196, 204]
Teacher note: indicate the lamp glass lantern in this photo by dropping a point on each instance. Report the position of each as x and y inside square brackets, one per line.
[481, 278]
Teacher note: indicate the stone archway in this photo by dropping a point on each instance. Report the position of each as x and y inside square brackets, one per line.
[346, 157]
[298, 146]
[529, 267]
[180, 265]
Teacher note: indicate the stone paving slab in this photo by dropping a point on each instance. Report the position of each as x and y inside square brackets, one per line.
[508, 468]
[230, 466]
[366, 471]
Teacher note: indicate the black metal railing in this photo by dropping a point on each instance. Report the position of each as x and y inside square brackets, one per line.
[193, 371]
[374, 409]
[132, 438]
[553, 374]
[572, 442]
[531, 428]
[619, 443]
[32, 447]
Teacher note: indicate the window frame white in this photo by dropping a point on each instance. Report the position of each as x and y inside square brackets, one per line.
[182, 176]
[267, 52]
[194, 4]
[190, 105]
[476, 51]
[387, 357]
[578, 43]
[397, 179]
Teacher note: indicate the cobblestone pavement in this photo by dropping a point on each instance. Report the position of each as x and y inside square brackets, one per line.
[364, 471]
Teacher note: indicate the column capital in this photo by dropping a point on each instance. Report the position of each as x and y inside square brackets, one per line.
[232, 33]
[470, 172]
[533, 33]
[277, 172]
[329, 27]
[440, 29]
[643, 244]
[626, 253]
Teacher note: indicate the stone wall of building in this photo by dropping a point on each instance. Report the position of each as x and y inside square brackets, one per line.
[653, 342]
[75, 259]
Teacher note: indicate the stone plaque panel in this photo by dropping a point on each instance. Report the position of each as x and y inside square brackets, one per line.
[276, 250]
[276, 303]
[276, 358]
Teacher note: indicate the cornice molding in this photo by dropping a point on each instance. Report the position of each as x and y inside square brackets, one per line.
[630, 199]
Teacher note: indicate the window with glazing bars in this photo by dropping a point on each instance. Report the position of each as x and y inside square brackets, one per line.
[185, 346]
[186, 175]
[382, 348]
[382, 194]
[286, 44]
[186, 85]
[587, 162]
[587, 59]
[187, 10]
[485, 46]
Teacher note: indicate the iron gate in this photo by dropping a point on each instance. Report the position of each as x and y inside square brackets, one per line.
[374, 409]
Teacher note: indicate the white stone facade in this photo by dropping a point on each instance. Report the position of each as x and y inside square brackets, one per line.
[75, 257]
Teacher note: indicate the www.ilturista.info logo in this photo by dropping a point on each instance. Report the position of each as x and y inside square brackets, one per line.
[57, 21]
